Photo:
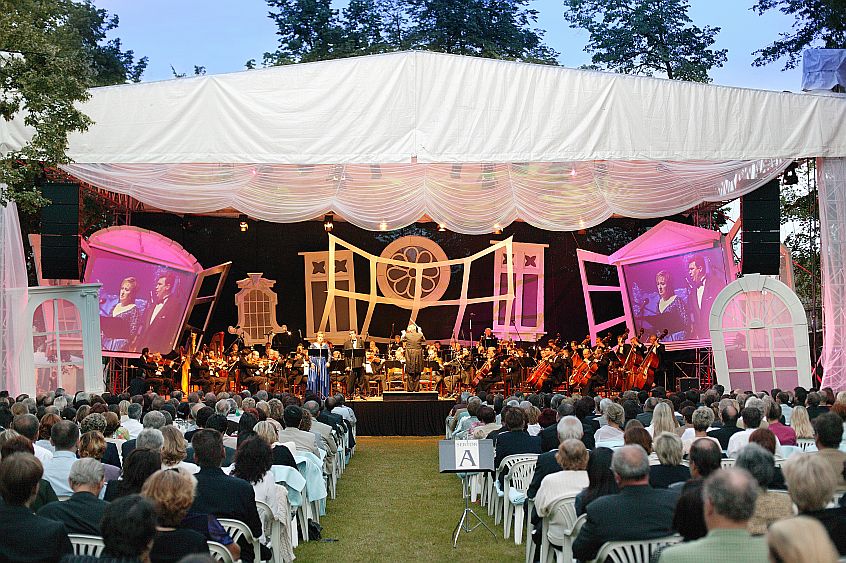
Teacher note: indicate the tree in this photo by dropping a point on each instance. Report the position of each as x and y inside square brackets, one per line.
[51, 52]
[818, 22]
[308, 30]
[646, 37]
[498, 29]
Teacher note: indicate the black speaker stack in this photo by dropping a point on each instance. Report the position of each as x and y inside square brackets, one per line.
[60, 231]
[760, 213]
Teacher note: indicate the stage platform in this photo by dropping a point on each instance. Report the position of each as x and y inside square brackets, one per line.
[416, 414]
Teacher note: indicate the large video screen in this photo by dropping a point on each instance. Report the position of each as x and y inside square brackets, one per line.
[676, 293]
[141, 304]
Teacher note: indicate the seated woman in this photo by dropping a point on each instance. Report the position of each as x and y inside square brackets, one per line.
[769, 506]
[765, 438]
[800, 539]
[138, 465]
[572, 456]
[172, 493]
[601, 480]
[811, 484]
[613, 431]
[668, 447]
[175, 450]
[281, 454]
[128, 529]
[93, 444]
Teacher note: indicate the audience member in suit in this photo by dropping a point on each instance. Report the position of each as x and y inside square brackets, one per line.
[83, 511]
[128, 529]
[516, 440]
[582, 410]
[219, 423]
[729, 415]
[549, 435]
[218, 493]
[569, 427]
[324, 431]
[637, 512]
[828, 432]
[201, 417]
[26, 537]
[814, 407]
[19, 444]
[811, 484]
[645, 417]
[688, 519]
[292, 416]
[729, 497]
[669, 449]
[153, 419]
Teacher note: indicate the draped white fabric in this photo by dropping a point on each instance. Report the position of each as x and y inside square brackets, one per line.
[13, 299]
[443, 108]
[832, 200]
[467, 198]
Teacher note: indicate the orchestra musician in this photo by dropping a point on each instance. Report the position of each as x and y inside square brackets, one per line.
[251, 375]
[413, 342]
[200, 371]
[355, 365]
[218, 372]
[373, 367]
[487, 340]
[458, 365]
[561, 364]
[492, 366]
[296, 366]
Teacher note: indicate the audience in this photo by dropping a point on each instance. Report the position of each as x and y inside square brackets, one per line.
[137, 467]
[572, 456]
[601, 481]
[801, 424]
[128, 530]
[83, 511]
[612, 431]
[769, 506]
[828, 430]
[305, 441]
[172, 493]
[767, 440]
[11, 443]
[689, 518]
[729, 416]
[811, 484]
[516, 440]
[668, 447]
[26, 536]
[785, 434]
[637, 512]
[729, 497]
[752, 417]
[64, 436]
[800, 540]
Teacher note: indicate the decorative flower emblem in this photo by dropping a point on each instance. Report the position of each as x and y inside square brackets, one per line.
[400, 281]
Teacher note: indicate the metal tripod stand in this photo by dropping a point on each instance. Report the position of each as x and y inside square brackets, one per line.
[464, 523]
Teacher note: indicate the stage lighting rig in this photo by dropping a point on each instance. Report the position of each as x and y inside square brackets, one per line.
[243, 224]
[329, 223]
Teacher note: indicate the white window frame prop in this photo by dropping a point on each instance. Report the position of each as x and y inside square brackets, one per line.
[255, 282]
[518, 329]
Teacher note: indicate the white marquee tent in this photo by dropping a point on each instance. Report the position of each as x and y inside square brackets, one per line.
[384, 140]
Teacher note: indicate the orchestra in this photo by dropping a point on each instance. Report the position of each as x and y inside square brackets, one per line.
[284, 364]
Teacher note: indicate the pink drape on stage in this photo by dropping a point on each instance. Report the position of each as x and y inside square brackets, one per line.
[13, 298]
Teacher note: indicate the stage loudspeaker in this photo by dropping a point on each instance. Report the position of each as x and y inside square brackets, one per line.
[760, 213]
[688, 383]
[60, 231]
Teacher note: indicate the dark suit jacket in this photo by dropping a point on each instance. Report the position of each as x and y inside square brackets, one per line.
[834, 521]
[228, 460]
[724, 434]
[549, 438]
[645, 418]
[27, 537]
[351, 362]
[546, 465]
[158, 332]
[81, 514]
[226, 497]
[662, 476]
[510, 443]
[635, 513]
[111, 456]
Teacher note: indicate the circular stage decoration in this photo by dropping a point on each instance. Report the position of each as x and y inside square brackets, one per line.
[398, 282]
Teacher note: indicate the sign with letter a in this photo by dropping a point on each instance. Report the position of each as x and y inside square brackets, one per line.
[466, 455]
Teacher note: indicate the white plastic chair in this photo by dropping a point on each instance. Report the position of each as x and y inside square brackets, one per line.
[514, 496]
[633, 551]
[496, 495]
[237, 529]
[219, 553]
[727, 462]
[84, 544]
[807, 444]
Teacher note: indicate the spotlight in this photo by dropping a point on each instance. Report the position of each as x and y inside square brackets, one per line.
[383, 226]
[243, 225]
[441, 228]
[328, 223]
[497, 229]
[790, 177]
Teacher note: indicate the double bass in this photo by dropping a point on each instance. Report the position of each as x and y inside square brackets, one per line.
[645, 375]
[541, 372]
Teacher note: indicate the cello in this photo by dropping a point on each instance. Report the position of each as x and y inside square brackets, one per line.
[645, 375]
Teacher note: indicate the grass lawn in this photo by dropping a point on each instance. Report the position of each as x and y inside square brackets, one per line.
[393, 505]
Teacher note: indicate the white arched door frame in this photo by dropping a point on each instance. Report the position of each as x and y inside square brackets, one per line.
[798, 322]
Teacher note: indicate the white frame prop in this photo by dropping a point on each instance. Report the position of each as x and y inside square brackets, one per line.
[86, 299]
[328, 324]
[520, 250]
[799, 322]
[256, 282]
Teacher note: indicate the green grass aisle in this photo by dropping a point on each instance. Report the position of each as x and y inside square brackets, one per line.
[393, 505]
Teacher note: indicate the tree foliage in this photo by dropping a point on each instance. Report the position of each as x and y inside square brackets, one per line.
[51, 52]
[646, 37]
[817, 23]
[311, 30]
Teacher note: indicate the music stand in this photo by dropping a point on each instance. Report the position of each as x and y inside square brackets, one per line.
[466, 458]
[352, 354]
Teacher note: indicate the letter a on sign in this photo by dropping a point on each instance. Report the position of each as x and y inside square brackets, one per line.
[466, 454]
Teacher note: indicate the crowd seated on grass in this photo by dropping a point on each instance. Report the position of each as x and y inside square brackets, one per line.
[727, 473]
[151, 475]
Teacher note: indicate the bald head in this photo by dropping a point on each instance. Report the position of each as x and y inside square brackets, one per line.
[630, 464]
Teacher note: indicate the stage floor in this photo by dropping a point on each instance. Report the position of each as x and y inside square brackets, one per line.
[376, 417]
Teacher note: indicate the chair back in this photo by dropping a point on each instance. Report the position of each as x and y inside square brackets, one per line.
[520, 475]
[727, 462]
[806, 444]
[84, 544]
[218, 552]
[508, 461]
[237, 529]
[562, 519]
[634, 551]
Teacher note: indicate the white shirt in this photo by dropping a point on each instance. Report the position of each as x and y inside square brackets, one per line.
[699, 291]
[134, 427]
[740, 440]
[346, 412]
[43, 454]
[157, 309]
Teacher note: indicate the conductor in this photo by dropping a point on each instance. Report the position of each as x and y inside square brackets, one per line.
[413, 341]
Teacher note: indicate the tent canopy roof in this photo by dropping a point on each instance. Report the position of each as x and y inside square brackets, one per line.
[431, 107]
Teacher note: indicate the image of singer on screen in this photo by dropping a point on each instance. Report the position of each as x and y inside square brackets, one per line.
[125, 318]
[667, 308]
[162, 314]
